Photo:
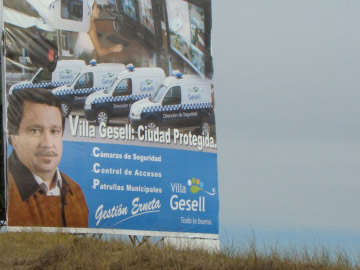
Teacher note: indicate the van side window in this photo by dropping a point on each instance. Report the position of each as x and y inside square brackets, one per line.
[85, 81]
[42, 77]
[173, 96]
[72, 10]
[123, 88]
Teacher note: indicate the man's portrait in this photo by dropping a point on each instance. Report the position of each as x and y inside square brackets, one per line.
[38, 193]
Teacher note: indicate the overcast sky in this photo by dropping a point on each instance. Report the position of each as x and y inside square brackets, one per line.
[287, 108]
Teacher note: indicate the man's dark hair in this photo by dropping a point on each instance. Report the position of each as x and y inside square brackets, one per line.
[34, 95]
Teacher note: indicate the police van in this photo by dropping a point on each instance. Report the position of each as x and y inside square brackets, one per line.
[64, 74]
[94, 77]
[130, 85]
[180, 101]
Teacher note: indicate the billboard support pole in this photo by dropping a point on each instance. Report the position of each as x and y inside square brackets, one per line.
[97, 236]
[136, 242]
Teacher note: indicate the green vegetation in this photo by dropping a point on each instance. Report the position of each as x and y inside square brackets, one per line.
[32, 251]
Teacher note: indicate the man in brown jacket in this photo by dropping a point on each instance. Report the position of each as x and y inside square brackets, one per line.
[38, 193]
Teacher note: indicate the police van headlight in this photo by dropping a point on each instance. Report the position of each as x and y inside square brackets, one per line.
[135, 114]
[87, 105]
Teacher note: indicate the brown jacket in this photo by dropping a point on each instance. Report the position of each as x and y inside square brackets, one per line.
[29, 206]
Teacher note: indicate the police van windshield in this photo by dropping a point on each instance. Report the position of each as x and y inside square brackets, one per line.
[86, 80]
[74, 81]
[112, 86]
[158, 94]
[42, 76]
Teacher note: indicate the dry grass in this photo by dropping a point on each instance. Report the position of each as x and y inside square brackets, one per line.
[33, 251]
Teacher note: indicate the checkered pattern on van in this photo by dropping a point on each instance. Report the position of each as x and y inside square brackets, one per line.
[40, 85]
[31, 85]
[118, 98]
[72, 91]
[57, 84]
[204, 105]
[161, 109]
[110, 99]
[138, 97]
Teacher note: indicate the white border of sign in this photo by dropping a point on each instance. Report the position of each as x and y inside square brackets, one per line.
[112, 231]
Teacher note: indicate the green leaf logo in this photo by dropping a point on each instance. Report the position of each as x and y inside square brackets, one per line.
[195, 189]
[196, 185]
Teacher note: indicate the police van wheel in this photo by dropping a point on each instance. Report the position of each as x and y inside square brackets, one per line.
[205, 127]
[152, 125]
[102, 117]
[65, 109]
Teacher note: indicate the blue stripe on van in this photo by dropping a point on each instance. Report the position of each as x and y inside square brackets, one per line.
[72, 91]
[57, 84]
[35, 85]
[204, 105]
[118, 98]
[31, 85]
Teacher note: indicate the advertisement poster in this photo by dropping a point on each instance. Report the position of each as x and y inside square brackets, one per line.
[110, 117]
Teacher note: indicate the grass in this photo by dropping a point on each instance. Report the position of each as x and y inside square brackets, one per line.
[35, 251]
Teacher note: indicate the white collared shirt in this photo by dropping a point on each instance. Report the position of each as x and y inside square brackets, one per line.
[57, 187]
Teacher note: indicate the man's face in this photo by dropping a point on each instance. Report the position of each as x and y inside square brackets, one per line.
[38, 143]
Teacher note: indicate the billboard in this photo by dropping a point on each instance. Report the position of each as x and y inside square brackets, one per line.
[107, 133]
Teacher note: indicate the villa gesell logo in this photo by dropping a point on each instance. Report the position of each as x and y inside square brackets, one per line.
[194, 93]
[108, 78]
[66, 74]
[196, 89]
[193, 204]
[194, 186]
[147, 85]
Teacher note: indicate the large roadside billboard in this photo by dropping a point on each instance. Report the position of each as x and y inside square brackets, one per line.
[110, 119]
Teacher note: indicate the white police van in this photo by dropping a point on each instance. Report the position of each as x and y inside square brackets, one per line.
[180, 101]
[130, 85]
[64, 74]
[94, 77]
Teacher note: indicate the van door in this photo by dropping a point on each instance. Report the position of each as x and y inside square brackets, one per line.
[122, 97]
[83, 87]
[42, 79]
[171, 114]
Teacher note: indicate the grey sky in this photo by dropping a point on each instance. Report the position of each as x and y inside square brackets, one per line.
[287, 105]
